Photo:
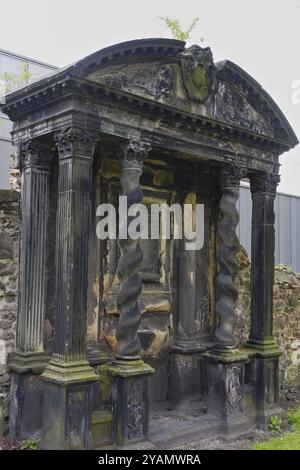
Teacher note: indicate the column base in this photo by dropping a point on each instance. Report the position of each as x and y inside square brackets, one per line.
[262, 347]
[23, 362]
[63, 372]
[190, 345]
[225, 381]
[67, 410]
[127, 382]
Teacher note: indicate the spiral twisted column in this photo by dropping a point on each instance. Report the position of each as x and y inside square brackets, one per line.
[229, 180]
[133, 156]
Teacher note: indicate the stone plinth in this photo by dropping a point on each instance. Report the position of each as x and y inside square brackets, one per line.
[225, 377]
[128, 382]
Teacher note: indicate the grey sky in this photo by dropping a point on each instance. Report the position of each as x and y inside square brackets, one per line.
[261, 36]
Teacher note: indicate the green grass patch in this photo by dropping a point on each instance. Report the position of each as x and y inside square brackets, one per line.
[287, 441]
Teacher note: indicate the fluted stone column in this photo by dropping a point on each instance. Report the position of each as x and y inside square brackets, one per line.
[30, 359]
[128, 374]
[68, 377]
[225, 363]
[261, 342]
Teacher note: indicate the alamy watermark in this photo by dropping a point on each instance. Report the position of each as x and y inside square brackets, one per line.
[163, 222]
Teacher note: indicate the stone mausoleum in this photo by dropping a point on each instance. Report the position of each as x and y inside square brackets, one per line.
[112, 333]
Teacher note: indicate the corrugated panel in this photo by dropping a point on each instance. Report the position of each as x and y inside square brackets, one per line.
[295, 232]
[287, 227]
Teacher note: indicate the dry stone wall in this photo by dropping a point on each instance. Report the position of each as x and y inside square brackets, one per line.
[286, 321]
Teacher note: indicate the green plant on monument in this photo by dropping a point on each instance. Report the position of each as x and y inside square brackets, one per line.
[176, 29]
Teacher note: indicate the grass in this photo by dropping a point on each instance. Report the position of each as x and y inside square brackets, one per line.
[287, 441]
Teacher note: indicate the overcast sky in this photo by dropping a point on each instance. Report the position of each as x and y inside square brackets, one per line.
[261, 36]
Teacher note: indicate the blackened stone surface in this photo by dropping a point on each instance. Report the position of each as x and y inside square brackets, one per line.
[226, 395]
[267, 388]
[66, 417]
[26, 398]
[184, 376]
[125, 386]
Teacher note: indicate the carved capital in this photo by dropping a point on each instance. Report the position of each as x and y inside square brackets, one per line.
[134, 153]
[75, 141]
[230, 176]
[264, 183]
[35, 154]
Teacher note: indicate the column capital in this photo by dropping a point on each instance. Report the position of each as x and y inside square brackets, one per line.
[35, 153]
[264, 183]
[72, 141]
[134, 153]
[230, 176]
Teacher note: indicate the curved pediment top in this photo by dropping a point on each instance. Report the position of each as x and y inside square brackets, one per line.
[187, 77]
[257, 96]
[131, 51]
[167, 72]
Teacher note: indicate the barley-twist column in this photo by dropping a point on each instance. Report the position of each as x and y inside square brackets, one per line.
[127, 374]
[227, 250]
[225, 363]
[131, 259]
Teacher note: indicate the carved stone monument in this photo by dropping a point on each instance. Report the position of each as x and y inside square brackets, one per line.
[110, 329]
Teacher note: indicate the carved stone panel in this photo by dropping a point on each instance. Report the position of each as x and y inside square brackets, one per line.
[154, 81]
[234, 389]
[155, 268]
[135, 409]
[232, 107]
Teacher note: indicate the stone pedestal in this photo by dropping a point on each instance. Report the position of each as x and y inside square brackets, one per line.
[128, 382]
[225, 377]
[67, 413]
[184, 375]
[265, 365]
[267, 386]
[26, 404]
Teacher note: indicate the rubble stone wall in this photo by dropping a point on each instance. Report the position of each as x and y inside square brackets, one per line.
[9, 228]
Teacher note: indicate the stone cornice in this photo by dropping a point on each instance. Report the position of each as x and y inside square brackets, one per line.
[24, 102]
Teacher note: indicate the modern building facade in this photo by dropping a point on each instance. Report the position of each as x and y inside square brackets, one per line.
[15, 71]
[287, 226]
